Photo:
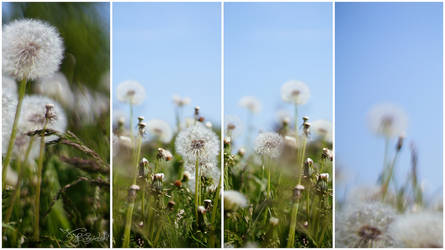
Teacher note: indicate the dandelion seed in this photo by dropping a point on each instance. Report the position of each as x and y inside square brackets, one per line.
[295, 92]
[365, 225]
[419, 230]
[9, 104]
[269, 144]
[323, 129]
[31, 49]
[234, 200]
[131, 92]
[387, 120]
[57, 87]
[197, 142]
[181, 101]
[160, 130]
[250, 103]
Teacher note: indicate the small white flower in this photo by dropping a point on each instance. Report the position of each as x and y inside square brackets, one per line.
[197, 142]
[269, 144]
[419, 230]
[234, 200]
[387, 120]
[181, 101]
[31, 49]
[295, 92]
[131, 92]
[323, 129]
[57, 87]
[250, 103]
[365, 225]
[160, 130]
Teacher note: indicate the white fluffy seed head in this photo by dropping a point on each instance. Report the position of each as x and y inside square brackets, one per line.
[160, 130]
[31, 49]
[250, 103]
[365, 225]
[181, 101]
[323, 129]
[9, 102]
[234, 200]
[388, 120]
[295, 92]
[131, 92]
[197, 142]
[57, 87]
[269, 144]
[419, 230]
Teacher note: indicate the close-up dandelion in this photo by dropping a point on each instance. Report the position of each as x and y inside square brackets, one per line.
[166, 131]
[55, 171]
[277, 186]
[388, 156]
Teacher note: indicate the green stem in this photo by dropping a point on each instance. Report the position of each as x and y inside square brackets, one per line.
[390, 174]
[129, 215]
[7, 160]
[39, 182]
[268, 182]
[196, 188]
[293, 225]
[301, 165]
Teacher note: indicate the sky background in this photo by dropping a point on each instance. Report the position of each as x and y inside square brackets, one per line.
[170, 48]
[267, 44]
[388, 52]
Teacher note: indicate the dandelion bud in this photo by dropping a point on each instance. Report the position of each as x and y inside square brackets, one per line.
[305, 119]
[306, 224]
[241, 152]
[132, 192]
[164, 154]
[207, 204]
[197, 110]
[171, 204]
[231, 126]
[400, 143]
[324, 177]
[50, 114]
[142, 126]
[327, 154]
[285, 121]
[308, 170]
[158, 177]
[298, 190]
[306, 128]
[274, 221]
[227, 141]
[141, 224]
[186, 176]
[209, 125]
[143, 164]
[308, 162]
[202, 210]
[178, 183]
[140, 119]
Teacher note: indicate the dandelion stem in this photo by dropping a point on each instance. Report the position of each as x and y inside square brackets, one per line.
[293, 225]
[129, 215]
[390, 174]
[39, 182]
[14, 131]
[301, 165]
[268, 182]
[196, 188]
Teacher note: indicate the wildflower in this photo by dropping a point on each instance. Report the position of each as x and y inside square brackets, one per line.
[298, 190]
[57, 87]
[164, 154]
[181, 101]
[419, 230]
[178, 183]
[308, 170]
[31, 49]
[387, 120]
[227, 140]
[143, 164]
[9, 104]
[197, 143]
[295, 92]
[234, 200]
[158, 177]
[250, 103]
[324, 176]
[131, 92]
[365, 225]
[323, 129]
[186, 176]
[327, 154]
[160, 130]
[202, 210]
[306, 128]
[273, 221]
[269, 144]
[141, 126]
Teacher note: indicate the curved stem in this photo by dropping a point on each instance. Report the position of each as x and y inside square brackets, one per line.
[14, 131]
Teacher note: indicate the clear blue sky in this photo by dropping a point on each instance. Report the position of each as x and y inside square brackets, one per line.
[267, 44]
[389, 52]
[171, 48]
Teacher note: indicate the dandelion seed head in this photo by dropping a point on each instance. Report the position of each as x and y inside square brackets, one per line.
[55, 86]
[181, 101]
[9, 105]
[295, 92]
[31, 49]
[160, 130]
[131, 92]
[283, 116]
[234, 200]
[197, 142]
[250, 103]
[365, 225]
[323, 129]
[419, 230]
[388, 120]
[233, 124]
[269, 144]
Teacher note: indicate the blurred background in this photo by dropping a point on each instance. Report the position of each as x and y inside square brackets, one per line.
[267, 44]
[388, 52]
[170, 48]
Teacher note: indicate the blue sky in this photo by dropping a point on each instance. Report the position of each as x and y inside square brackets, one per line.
[170, 48]
[267, 44]
[389, 52]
